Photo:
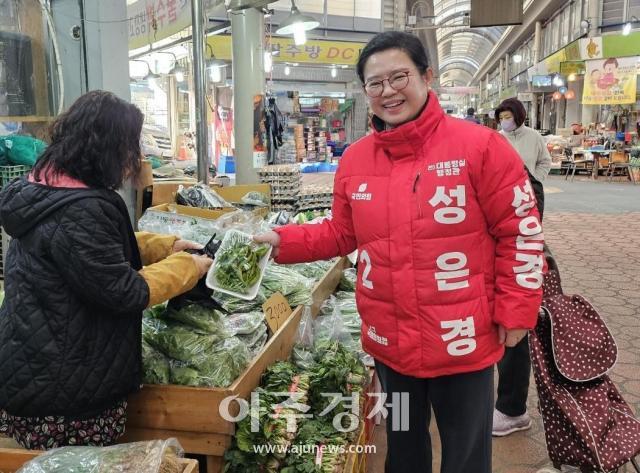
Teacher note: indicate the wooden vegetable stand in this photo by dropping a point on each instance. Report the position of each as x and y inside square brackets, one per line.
[192, 414]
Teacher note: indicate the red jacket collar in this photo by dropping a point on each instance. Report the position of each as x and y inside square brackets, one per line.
[402, 140]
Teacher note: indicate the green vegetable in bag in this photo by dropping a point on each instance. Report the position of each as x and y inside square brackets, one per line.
[155, 366]
[203, 318]
[182, 342]
[348, 280]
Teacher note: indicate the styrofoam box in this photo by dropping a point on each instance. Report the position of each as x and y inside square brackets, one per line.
[211, 281]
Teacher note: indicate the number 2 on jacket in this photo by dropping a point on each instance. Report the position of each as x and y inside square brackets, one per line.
[364, 258]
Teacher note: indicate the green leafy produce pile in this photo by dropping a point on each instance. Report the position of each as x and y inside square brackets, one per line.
[237, 264]
[314, 270]
[348, 280]
[193, 346]
[335, 370]
[296, 288]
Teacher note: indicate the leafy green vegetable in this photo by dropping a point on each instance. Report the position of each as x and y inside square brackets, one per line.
[314, 270]
[181, 342]
[155, 366]
[199, 317]
[237, 265]
[244, 323]
[348, 280]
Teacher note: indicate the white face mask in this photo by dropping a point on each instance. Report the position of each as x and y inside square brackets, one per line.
[508, 124]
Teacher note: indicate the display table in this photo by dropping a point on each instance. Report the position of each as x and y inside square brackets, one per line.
[192, 415]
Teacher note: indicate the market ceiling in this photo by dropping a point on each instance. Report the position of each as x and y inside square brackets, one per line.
[461, 49]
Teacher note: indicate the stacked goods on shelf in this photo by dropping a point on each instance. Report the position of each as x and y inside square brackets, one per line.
[301, 149]
[285, 181]
[311, 144]
[315, 198]
[322, 147]
[288, 152]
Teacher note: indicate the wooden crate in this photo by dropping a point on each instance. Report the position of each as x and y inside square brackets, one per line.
[11, 459]
[192, 414]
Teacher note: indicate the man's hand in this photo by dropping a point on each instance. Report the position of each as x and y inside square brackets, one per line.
[510, 338]
[181, 245]
[270, 237]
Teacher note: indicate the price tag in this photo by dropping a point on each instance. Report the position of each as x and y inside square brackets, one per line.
[276, 310]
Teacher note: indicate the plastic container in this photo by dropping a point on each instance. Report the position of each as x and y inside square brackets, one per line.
[9, 173]
[252, 292]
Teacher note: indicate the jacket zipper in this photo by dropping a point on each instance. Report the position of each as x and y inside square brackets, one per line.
[415, 187]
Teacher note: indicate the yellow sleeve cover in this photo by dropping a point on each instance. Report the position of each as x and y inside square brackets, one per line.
[170, 277]
[154, 247]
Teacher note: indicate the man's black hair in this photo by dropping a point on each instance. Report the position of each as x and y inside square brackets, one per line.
[471, 111]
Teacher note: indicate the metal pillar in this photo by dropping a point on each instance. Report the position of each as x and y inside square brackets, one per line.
[537, 41]
[202, 130]
[589, 112]
[247, 31]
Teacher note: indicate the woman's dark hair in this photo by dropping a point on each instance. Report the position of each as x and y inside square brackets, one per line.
[516, 108]
[612, 60]
[96, 141]
[406, 42]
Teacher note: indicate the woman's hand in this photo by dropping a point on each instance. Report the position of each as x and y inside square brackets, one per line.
[271, 238]
[203, 263]
[181, 245]
[511, 337]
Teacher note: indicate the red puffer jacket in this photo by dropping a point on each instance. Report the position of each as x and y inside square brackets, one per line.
[449, 239]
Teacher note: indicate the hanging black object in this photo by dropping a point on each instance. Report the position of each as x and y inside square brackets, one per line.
[200, 294]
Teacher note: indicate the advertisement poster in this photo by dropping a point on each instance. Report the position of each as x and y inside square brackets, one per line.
[610, 82]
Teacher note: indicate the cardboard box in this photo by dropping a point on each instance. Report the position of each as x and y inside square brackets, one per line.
[145, 178]
[164, 192]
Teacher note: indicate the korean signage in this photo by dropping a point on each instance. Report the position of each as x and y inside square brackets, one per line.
[153, 20]
[610, 82]
[572, 67]
[314, 51]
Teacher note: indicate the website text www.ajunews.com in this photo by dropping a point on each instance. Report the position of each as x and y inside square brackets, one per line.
[296, 449]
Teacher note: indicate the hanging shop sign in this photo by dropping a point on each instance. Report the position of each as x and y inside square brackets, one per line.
[552, 63]
[591, 48]
[621, 46]
[572, 51]
[285, 50]
[610, 81]
[572, 67]
[526, 97]
[509, 92]
[153, 20]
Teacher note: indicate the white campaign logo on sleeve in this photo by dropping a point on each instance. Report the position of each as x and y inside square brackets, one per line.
[362, 193]
[529, 274]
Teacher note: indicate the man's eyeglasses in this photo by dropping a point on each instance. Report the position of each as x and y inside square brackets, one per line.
[397, 81]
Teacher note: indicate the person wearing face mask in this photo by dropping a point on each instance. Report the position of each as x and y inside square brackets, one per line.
[514, 370]
[435, 206]
[529, 144]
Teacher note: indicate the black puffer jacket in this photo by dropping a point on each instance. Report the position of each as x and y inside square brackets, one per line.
[70, 324]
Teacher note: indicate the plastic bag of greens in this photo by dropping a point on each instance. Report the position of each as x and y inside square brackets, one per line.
[295, 287]
[155, 366]
[259, 344]
[314, 270]
[252, 339]
[200, 317]
[156, 456]
[303, 349]
[201, 196]
[227, 360]
[182, 342]
[234, 305]
[331, 328]
[243, 324]
[254, 198]
[348, 280]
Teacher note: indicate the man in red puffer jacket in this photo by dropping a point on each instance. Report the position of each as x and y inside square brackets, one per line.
[450, 256]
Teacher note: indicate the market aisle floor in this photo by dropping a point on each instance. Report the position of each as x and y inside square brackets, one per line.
[599, 257]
